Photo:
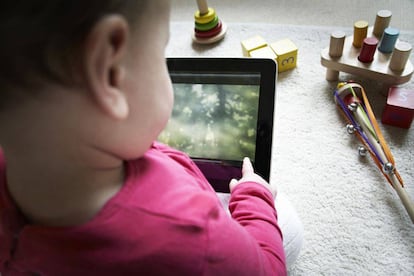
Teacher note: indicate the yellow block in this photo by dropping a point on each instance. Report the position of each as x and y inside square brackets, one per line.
[287, 54]
[264, 52]
[252, 44]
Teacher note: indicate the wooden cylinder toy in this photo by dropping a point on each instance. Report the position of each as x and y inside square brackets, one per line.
[400, 56]
[368, 50]
[382, 21]
[360, 32]
[336, 45]
[202, 6]
[388, 40]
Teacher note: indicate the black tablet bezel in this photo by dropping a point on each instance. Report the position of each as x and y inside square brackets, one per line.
[267, 69]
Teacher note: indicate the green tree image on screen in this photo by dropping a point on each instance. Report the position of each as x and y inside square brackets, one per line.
[215, 121]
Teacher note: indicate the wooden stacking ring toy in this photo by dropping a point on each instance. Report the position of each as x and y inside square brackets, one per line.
[208, 28]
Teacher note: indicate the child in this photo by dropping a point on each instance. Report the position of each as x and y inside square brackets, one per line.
[84, 189]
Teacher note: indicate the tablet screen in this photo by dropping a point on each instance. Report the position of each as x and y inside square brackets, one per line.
[214, 115]
[223, 112]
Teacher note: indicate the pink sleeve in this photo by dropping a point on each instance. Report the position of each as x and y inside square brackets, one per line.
[252, 243]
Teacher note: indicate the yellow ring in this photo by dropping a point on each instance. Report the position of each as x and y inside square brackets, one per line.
[205, 18]
[208, 26]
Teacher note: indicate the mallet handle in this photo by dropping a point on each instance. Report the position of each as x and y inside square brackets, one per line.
[404, 197]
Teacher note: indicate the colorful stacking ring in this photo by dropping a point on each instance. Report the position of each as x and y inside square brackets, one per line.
[207, 26]
[210, 33]
[205, 18]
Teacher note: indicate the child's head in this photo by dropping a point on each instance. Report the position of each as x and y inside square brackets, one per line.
[102, 61]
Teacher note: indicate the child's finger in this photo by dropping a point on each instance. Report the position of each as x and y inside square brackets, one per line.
[232, 184]
[247, 166]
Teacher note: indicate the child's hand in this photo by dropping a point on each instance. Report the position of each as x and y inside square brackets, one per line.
[248, 174]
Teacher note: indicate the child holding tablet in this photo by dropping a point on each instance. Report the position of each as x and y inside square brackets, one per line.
[85, 189]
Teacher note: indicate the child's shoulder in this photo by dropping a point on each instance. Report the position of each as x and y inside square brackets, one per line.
[158, 146]
[175, 157]
[165, 183]
[163, 167]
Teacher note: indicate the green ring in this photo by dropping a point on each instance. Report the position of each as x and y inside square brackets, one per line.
[207, 26]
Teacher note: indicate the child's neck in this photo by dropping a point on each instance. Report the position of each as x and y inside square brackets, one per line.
[50, 192]
[56, 174]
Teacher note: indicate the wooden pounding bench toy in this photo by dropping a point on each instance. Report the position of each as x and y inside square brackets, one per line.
[208, 26]
[380, 56]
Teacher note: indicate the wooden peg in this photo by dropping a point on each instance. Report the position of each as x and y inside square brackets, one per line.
[368, 50]
[400, 56]
[202, 6]
[388, 40]
[336, 47]
[336, 44]
[360, 32]
[382, 21]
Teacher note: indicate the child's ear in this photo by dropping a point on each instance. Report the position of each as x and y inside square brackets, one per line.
[105, 46]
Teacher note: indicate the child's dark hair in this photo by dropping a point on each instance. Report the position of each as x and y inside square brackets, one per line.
[41, 38]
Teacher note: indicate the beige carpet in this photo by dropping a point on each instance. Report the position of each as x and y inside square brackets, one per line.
[301, 12]
[354, 222]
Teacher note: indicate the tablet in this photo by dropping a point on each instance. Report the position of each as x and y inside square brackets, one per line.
[223, 112]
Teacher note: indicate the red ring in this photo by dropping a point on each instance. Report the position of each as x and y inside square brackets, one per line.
[210, 33]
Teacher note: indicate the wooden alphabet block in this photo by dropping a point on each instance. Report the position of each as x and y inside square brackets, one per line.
[399, 109]
[286, 52]
[252, 44]
[264, 52]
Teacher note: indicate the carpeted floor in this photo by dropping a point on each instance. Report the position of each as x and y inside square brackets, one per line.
[301, 12]
[354, 222]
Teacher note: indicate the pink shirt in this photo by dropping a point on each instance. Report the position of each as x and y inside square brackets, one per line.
[166, 220]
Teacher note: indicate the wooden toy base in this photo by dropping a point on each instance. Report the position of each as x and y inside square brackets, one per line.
[377, 69]
[213, 39]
